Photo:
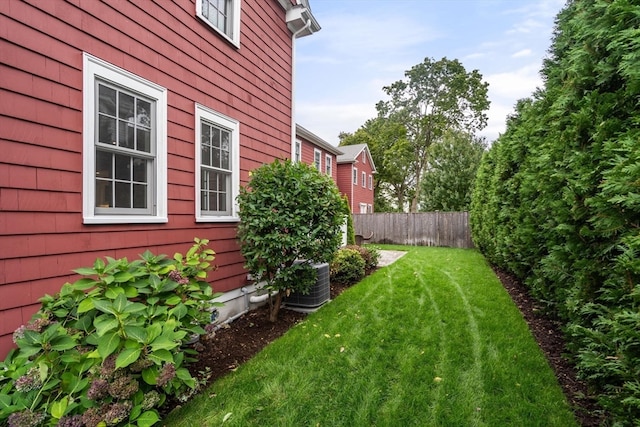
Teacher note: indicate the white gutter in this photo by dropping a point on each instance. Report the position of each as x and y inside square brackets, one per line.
[306, 26]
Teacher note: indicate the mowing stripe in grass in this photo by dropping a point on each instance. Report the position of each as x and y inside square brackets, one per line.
[373, 357]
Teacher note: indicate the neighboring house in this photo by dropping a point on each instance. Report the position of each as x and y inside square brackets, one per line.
[127, 126]
[355, 177]
[313, 150]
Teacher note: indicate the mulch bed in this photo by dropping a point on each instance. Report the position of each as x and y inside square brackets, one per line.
[236, 342]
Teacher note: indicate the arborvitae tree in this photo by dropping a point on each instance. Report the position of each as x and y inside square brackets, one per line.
[561, 195]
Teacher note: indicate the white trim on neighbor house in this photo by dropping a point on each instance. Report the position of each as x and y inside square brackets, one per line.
[317, 159]
[96, 71]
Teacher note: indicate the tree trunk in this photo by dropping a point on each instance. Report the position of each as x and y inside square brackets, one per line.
[274, 307]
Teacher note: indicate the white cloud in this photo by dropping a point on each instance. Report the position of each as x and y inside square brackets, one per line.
[515, 84]
[328, 120]
[522, 53]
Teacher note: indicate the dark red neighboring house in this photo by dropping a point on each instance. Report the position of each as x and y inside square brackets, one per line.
[355, 177]
[313, 150]
[130, 125]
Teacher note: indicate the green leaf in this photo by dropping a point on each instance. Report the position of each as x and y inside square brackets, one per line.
[160, 356]
[122, 276]
[131, 292]
[112, 292]
[108, 343]
[127, 357]
[63, 343]
[104, 306]
[162, 342]
[135, 307]
[120, 303]
[153, 331]
[173, 300]
[179, 311]
[183, 374]
[85, 271]
[84, 284]
[136, 333]
[150, 374]
[147, 419]
[59, 407]
[104, 324]
[86, 305]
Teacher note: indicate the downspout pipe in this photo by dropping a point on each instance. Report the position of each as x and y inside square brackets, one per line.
[294, 36]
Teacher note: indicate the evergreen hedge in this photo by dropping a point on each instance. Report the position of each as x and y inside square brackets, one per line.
[557, 198]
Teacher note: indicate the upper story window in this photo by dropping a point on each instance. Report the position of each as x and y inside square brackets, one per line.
[223, 16]
[124, 146]
[297, 155]
[328, 165]
[364, 179]
[217, 166]
[355, 176]
[370, 182]
[317, 159]
[364, 157]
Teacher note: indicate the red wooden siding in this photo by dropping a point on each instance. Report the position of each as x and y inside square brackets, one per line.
[307, 151]
[42, 236]
[356, 193]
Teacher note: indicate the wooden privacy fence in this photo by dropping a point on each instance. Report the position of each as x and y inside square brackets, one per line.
[416, 229]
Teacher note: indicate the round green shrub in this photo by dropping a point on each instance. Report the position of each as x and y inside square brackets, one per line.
[347, 267]
[370, 255]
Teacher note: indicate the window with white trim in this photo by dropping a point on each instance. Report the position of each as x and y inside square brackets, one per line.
[355, 176]
[369, 209]
[364, 157]
[363, 208]
[217, 166]
[124, 146]
[297, 155]
[364, 179]
[223, 16]
[328, 164]
[317, 159]
[370, 182]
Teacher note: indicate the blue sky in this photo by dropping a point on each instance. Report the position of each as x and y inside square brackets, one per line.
[367, 44]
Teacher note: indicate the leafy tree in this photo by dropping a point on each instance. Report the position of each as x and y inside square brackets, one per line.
[290, 217]
[435, 97]
[448, 181]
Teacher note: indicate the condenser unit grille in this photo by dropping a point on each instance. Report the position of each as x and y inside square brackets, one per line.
[319, 293]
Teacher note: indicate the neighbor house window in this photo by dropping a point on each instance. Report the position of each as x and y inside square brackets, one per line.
[298, 153]
[364, 157]
[223, 16]
[364, 179]
[317, 159]
[355, 176]
[124, 146]
[363, 208]
[217, 166]
[328, 165]
[370, 182]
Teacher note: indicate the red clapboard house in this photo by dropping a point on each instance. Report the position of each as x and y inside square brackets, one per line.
[355, 177]
[130, 125]
[313, 150]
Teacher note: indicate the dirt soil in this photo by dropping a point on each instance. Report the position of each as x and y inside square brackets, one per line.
[238, 341]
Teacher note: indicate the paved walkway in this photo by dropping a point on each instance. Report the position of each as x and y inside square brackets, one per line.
[389, 257]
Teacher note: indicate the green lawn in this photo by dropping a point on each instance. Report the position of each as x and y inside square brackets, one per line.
[432, 340]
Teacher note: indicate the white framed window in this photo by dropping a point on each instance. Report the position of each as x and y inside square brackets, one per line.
[364, 157]
[328, 164]
[370, 182]
[369, 209]
[223, 16]
[317, 159]
[124, 146]
[297, 155]
[363, 208]
[364, 179]
[355, 176]
[217, 166]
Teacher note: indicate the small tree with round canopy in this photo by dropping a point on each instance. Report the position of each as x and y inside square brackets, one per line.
[290, 217]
